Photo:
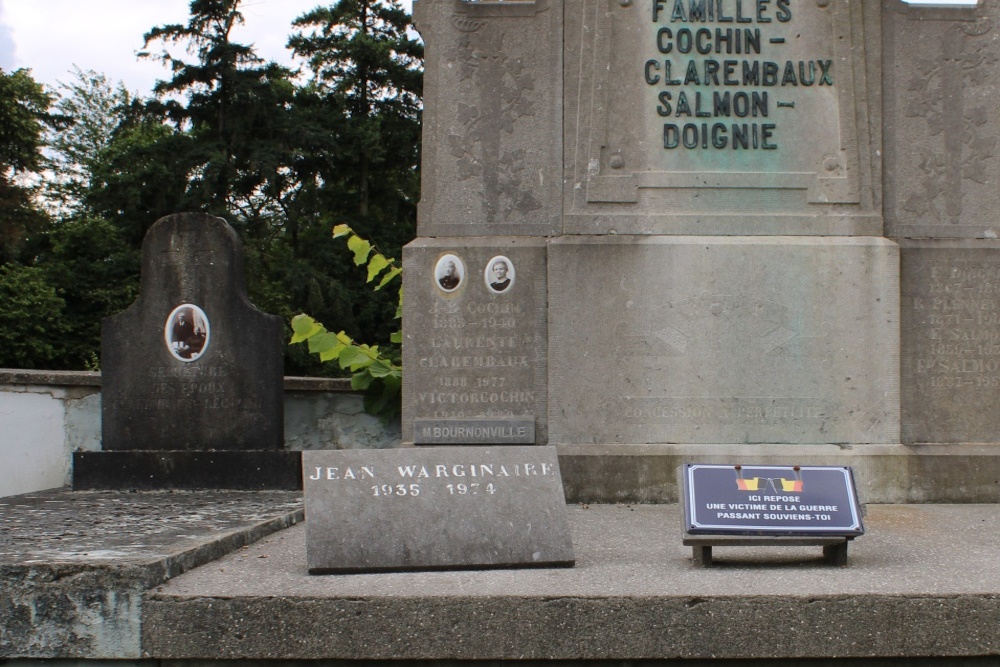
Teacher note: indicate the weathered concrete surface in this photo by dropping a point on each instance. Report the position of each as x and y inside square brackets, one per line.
[74, 565]
[884, 473]
[701, 339]
[922, 582]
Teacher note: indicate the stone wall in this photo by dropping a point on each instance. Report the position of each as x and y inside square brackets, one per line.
[56, 413]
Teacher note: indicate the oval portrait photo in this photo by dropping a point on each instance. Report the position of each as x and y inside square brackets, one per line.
[449, 272]
[187, 332]
[499, 274]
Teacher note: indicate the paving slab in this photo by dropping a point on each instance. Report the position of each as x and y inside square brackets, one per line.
[74, 565]
[922, 582]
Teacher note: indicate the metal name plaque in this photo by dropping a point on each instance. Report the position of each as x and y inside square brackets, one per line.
[434, 508]
[474, 431]
[770, 500]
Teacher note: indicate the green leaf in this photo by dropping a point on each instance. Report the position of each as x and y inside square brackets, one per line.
[323, 342]
[332, 353]
[388, 277]
[360, 248]
[305, 327]
[361, 381]
[396, 337]
[376, 265]
[379, 369]
[341, 230]
[354, 358]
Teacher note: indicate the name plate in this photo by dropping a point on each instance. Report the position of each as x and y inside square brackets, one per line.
[434, 508]
[474, 431]
[770, 500]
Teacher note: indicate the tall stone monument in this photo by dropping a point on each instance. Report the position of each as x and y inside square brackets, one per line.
[702, 233]
[192, 373]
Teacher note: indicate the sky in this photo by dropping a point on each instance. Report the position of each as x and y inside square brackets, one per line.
[51, 36]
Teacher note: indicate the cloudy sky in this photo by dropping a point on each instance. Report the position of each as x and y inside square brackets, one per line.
[51, 36]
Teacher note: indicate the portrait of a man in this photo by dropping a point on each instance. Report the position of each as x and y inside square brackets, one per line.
[187, 332]
[449, 273]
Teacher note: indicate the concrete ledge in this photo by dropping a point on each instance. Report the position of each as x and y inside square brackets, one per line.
[93, 379]
[74, 566]
[919, 584]
[148, 470]
[883, 473]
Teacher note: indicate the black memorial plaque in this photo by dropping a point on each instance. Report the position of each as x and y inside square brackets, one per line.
[434, 508]
[770, 500]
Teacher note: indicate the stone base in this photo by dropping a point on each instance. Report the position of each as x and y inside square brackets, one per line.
[738, 339]
[247, 470]
[882, 473]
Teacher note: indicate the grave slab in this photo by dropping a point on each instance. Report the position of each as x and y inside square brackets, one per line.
[74, 565]
[435, 508]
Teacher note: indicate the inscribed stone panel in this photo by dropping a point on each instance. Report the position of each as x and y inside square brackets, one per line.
[950, 341]
[710, 340]
[721, 117]
[474, 342]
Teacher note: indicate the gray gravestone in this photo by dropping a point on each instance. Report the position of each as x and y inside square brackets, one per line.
[433, 508]
[192, 366]
[477, 350]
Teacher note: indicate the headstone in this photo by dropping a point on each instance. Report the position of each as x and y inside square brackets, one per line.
[434, 508]
[475, 350]
[191, 367]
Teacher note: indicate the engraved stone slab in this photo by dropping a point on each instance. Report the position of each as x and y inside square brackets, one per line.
[723, 117]
[434, 508]
[492, 150]
[473, 431]
[713, 340]
[941, 146]
[475, 331]
[950, 341]
[192, 365]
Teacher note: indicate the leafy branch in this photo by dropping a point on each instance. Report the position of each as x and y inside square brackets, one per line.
[372, 371]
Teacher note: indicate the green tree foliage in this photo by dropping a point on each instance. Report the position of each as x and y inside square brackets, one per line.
[24, 117]
[32, 332]
[368, 70]
[378, 374]
[94, 109]
[282, 157]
